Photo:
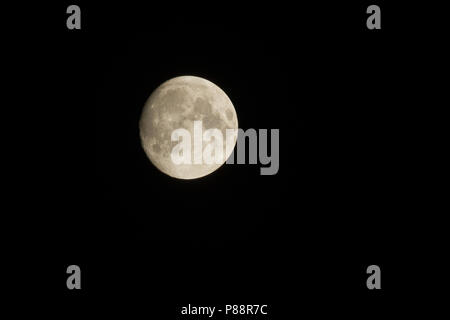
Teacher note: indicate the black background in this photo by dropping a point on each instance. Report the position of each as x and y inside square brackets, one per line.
[300, 240]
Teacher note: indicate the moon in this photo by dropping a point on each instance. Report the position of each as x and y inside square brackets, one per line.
[177, 103]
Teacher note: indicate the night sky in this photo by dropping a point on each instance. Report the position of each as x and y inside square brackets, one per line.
[300, 240]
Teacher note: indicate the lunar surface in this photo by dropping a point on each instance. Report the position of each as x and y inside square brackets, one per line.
[177, 103]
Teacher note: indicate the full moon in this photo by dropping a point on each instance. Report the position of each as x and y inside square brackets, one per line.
[177, 103]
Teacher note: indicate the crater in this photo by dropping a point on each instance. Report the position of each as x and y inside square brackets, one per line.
[229, 115]
[172, 102]
[156, 148]
[202, 106]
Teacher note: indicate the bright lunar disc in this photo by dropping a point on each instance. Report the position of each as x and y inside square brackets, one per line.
[177, 103]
